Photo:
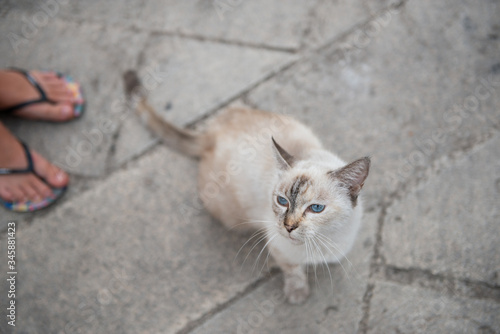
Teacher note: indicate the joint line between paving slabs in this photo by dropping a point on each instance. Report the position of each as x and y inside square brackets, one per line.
[200, 38]
[354, 28]
[305, 55]
[442, 282]
[158, 32]
[376, 258]
[240, 94]
[193, 324]
[470, 289]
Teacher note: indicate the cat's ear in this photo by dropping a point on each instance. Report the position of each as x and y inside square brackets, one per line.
[284, 159]
[353, 176]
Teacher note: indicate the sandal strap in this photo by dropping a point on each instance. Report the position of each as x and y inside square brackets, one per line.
[34, 83]
[29, 159]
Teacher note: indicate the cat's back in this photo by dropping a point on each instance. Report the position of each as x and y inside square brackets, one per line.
[240, 128]
[238, 168]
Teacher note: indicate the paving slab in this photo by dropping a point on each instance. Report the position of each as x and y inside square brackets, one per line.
[135, 254]
[186, 79]
[407, 309]
[201, 75]
[456, 222]
[407, 93]
[173, 70]
[131, 250]
[89, 53]
[261, 23]
[335, 305]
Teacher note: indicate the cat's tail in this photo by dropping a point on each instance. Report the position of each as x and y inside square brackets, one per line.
[182, 140]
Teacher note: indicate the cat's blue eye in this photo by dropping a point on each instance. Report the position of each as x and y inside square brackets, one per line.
[317, 208]
[282, 201]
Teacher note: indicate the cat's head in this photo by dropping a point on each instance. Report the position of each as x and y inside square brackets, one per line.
[314, 201]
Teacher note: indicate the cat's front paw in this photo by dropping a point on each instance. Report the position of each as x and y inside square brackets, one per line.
[296, 291]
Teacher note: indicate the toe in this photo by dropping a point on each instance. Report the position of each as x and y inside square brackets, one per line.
[66, 111]
[57, 112]
[49, 112]
[52, 174]
[48, 75]
[62, 97]
[57, 90]
[56, 177]
[41, 188]
[30, 193]
[16, 194]
[7, 195]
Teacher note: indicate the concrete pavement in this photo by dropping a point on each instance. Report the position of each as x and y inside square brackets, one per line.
[129, 249]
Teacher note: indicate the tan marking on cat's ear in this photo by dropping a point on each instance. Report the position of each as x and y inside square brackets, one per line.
[353, 177]
[285, 159]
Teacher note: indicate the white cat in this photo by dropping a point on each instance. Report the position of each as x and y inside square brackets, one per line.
[300, 197]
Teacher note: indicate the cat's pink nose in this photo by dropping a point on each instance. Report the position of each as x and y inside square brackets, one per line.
[290, 228]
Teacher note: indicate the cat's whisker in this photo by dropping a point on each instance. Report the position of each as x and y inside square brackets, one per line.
[313, 253]
[255, 245]
[325, 262]
[336, 257]
[307, 257]
[332, 243]
[262, 221]
[265, 261]
[244, 223]
[255, 234]
[300, 192]
[317, 250]
[246, 219]
[263, 248]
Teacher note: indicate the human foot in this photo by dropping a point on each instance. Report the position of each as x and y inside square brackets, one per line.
[15, 88]
[27, 190]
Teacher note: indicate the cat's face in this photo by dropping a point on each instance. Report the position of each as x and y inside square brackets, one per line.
[311, 202]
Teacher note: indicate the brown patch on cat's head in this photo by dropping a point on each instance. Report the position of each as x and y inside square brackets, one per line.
[294, 190]
[300, 186]
[306, 185]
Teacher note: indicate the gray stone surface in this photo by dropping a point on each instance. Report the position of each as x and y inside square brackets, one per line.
[89, 53]
[174, 71]
[259, 23]
[456, 222]
[389, 92]
[335, 305]
[134, 254]
[215, 73]
[416, 85]
[405, 309]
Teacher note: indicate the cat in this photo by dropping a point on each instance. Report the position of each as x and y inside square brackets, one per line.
[269, 173]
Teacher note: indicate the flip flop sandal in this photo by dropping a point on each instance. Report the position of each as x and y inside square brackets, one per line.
[74, 87]
[30, 206]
